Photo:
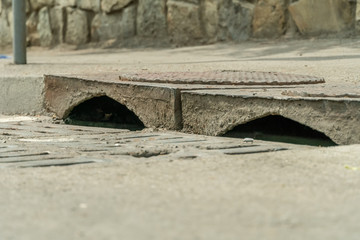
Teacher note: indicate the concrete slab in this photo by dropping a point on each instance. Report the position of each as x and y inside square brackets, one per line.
[220, 103]
[333, 111]
[156, 106]
[21, 95]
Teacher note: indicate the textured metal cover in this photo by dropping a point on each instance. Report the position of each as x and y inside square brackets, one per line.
[225, 77]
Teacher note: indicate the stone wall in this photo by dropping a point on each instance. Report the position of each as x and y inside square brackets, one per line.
[179, 22]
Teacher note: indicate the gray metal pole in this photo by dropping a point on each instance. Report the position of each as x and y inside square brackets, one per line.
[19, 41]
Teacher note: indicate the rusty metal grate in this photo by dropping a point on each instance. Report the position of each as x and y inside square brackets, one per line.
[225, 77]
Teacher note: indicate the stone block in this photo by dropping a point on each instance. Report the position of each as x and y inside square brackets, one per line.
[235, 20]
[57, 20]
[77, 31]
[210, 17]
[314, 17]
[269, 19]
[118, 25]
[184, 26]
[151, 18]
[10, 20]
[44, 28]
[33, 38]
[6, 4]
[91, 5]
[38, 4]
[114, 5]
[27, 6]
[31, 23]
[5, 30]
[66, 3]
[189, 1]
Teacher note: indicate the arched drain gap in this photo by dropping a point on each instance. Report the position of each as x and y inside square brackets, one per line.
[276, 128]
[104, 112]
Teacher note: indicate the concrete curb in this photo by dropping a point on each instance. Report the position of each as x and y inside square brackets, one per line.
[22, 95]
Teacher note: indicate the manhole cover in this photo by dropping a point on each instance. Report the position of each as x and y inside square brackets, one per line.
[222, 78]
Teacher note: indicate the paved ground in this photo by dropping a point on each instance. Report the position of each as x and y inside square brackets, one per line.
[336, 60]
[151, 185]
[141, 192]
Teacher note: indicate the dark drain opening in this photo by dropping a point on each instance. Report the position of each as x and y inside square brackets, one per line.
[280, 129]
[104, 112]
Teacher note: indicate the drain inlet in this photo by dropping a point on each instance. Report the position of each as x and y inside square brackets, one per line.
[104, 112]
[276, 128]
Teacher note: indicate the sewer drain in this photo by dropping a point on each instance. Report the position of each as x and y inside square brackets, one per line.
[104, 112]
[276, 128]
[225, 77]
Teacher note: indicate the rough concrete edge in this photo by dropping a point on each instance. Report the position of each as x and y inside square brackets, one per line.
[22, 95]
[228, 122]
[66, 111]
[178, 118]
[84, 95]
